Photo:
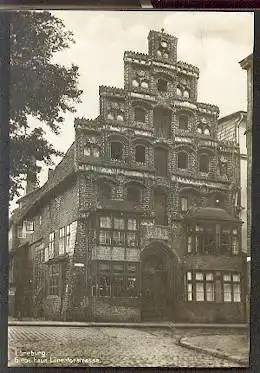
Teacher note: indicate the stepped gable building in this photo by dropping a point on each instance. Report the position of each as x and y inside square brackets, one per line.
[140, 220]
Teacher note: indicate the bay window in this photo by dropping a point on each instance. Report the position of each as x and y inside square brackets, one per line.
[200, 286]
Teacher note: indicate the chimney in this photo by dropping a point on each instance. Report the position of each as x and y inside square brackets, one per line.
[31, 177]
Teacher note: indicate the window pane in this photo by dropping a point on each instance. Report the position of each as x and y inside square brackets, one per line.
[118, 286]
[118, 268]
[131, 286]
[237, 296]
[210, 292]
[131, 239]
[119, 223]
[189, 276]
[87, 151]
[199, 276]
[104, 267]
[116, 150]
[104, 286]
[105, 222]
[227, 278]
[104, 238]
[209, 277]
[189, 244]
[236, 277]
[189, 293]
[119, 238]
[131, 267]
[140, 154]
[96, 152]
[131, 226]
[227, 293]
[199, 292]
[184, 203]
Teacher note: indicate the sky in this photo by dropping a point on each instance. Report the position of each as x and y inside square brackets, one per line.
[213, 41]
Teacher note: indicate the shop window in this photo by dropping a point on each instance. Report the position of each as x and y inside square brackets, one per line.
[204, 163]
[140, 115]
[116, 151]
[140, 154]
[162, 85]
[183, 122]
[182, 160]
[231, 287]
[54, 279]
[161, 161]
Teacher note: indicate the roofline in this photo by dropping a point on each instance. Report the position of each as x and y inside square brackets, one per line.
[232, 115]
[246, 62]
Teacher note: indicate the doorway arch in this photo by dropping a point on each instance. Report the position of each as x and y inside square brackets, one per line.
[159, 282]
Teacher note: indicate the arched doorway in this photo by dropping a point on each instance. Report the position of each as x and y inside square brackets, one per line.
[157, 283]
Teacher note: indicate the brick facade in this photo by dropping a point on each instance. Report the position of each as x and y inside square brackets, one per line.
[136, 179]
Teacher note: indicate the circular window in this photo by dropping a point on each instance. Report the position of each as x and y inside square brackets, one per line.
[179, 92]
[135, 83]
[145, 84]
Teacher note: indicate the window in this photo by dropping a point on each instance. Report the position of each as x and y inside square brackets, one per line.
[110, 116]
[182, 160]
[161, 161]
[206, 239]
[179, 92]
[29, 226]
[184, 204]
[104, 191]
[199, 130]
[51, 246]
[116, 151]
[54, 279]
[119, 223]
[206, 131]
[225, 241]
[186, 94]
[118, 238]
[134, 194]
[231, 287]
[162, 85]
[120, 117]
[162, 119]
[131, 224]
[91, 150]
[135, 83]
[160, 201]
[105, 238]
[183, 122]
[115, 279]
[140, 154]
[131, 239]
[68, 236]
[200, 287]
[145, 84]
[61, 241]
[140, 115]
[235, 244]
[105, 222]
[204, 163]
[159, 53]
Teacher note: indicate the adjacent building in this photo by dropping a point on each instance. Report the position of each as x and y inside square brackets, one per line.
[141, 218]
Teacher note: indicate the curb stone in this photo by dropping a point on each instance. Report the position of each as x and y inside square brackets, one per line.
[183, 342]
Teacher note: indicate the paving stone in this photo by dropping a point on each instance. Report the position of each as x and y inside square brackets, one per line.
[111, 346]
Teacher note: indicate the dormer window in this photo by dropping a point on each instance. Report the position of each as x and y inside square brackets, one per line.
[116, 151]
[162, 85]
[139, 115]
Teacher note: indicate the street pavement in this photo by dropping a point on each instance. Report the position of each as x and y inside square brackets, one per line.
[103, 346]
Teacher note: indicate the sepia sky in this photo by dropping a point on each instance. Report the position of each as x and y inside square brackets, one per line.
[213, 41]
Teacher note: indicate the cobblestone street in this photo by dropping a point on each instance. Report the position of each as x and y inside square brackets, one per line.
[103, 346]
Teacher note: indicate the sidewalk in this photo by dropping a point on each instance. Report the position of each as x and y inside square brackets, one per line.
[163, 324]
[232, 347]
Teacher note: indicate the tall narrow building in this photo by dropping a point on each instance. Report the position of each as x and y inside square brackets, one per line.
[140, 220]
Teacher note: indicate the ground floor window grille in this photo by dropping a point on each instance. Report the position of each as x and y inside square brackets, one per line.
[112, 279]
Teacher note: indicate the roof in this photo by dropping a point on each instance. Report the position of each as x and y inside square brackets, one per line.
[237, 114]
[59, 174]
[210, 213]
[247, 62]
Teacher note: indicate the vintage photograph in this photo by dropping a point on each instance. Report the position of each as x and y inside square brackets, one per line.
[130, 198]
